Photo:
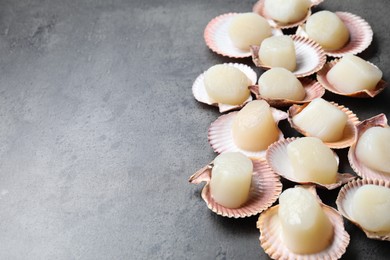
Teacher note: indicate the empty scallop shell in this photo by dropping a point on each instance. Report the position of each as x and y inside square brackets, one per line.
[321, 77]
[312, 88]
[360, 35]
[259, 8]
[362, 170]
[217, 37]
[272, 243]
[264, 191]
[309, 55]
[221, 139]
[349, 130]
[200, 93]
[344, 202]
[278, 160]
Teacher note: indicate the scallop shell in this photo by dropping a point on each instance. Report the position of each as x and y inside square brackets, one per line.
[217, 37]
[321, 77]
[312, 88]
[221, 139]
[200, 93]
[360, 35]
[362, 170]
[344, 202]
[278, 160]
[309, 54]
[265, 190]
[259, 8]
[349, 131]
[272, 243]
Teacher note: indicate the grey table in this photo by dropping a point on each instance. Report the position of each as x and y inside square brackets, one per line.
[99, 130]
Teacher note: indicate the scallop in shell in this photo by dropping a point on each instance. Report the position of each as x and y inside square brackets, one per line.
[272, 243]
[217, 37]
[259, 8]
[221, 139]
[200, 93]
[321, 77]
[309, 55]
[349, 133]
[361, 169]
[312, 88]
[360, 35]
[344, 202]
[264, 191]
[278, 160]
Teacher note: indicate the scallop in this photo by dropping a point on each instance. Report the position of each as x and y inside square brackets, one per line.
[360, 35]
[259, 7]
[310, 57]
[271, 235]
[362, 169]
[348, 203]
[348, 135]
[264, 191]
[201, 95]
[278, 159]
[321, 77]
[216, 36]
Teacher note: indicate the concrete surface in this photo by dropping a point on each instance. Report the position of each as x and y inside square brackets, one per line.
[99, 130]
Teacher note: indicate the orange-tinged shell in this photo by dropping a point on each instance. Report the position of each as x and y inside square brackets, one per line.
[349, 133]
[272, 243]
[264, 191]
[217, 37]
[313, 89]
[309, 55]
[200, 93]
[278, 160]
[321, 77]
[360, 35]
[344, 202]
[221, 139]
[362, 170]
[259, 8]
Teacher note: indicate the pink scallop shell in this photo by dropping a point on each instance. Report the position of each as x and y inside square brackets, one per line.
[362, 170]
[321, 77]
[349, 131]
[312, 88]
[217, 38]
[200, 93]
[221, 139]
[278, 160]
[344, 202]
[309, 54]
[360, 35]
[259, 9]
[265, 190]
[272, 243]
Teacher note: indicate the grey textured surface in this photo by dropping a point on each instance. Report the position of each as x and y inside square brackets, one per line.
[99, 130]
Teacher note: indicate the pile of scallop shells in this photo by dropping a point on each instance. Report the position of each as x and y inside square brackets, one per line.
[268, 164]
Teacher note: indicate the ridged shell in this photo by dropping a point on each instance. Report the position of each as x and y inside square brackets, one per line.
[259, 8]
[265, 190]
[362, 170]
[217, 37]
[200, 93]
[278, 160]
[312, 88]
[321, 77]
[349, 131]
[344, 202]
[360, 33]
[272, 243]
[221, 139]
[309, 55]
